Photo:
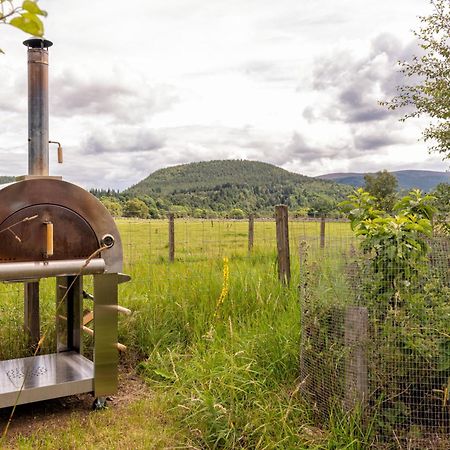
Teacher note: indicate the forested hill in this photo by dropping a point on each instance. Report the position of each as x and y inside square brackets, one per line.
[209, 174]
[247, 185]
[6, 179]
[426, 180]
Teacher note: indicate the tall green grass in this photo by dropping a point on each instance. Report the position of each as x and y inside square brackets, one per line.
[228, 373]
[231, 377]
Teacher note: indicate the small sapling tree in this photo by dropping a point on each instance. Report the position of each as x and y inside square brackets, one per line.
[394, 243]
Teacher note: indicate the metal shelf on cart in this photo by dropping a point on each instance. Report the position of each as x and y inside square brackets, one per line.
[46, 377]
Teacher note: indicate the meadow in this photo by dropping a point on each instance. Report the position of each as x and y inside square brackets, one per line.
[214, 334]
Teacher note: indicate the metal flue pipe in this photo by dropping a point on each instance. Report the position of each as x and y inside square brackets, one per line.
[38, 136]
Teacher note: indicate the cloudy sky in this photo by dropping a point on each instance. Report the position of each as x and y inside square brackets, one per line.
[142, 85]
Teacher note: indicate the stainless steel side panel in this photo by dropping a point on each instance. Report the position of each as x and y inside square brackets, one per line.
[43, 377]
[44, 269]
[106, 356]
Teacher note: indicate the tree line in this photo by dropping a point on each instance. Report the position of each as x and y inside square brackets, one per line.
[228, 201]
[237, 202]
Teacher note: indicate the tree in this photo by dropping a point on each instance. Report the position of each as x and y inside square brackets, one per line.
[302, 211]
[442, 203]
[199, 213]
[236, 213]
[383, 186]
[321, 205]
[429, 92]
[179, 211]
[26, 17]
[135, 208]
[112, 205]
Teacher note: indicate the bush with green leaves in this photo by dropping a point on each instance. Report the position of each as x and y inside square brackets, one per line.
[113, 206]
[135, 207]
[404, 283]
[395, 244]
[236, 213]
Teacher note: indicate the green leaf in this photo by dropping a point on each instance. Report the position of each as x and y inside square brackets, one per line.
[28, 22]
[164, 374]
[33, 8]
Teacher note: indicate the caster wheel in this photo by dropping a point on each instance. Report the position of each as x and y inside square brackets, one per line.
[99, 404]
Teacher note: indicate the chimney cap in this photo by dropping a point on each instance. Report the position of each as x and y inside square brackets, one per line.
[37, 42]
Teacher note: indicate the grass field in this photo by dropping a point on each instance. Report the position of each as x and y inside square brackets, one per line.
[209, 239]
[214, 334]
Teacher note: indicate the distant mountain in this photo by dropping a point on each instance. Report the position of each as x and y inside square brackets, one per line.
[6, 179]
[426, 180]
[247, 185]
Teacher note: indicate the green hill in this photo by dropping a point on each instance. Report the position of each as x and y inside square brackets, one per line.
[250, 186]
[426, 180]
[6, 179]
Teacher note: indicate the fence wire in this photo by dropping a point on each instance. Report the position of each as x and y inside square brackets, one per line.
[146, 259]
[213, 238]
[376, 341]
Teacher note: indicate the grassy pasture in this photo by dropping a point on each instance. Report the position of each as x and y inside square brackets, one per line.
[209, 239]
[225, 372]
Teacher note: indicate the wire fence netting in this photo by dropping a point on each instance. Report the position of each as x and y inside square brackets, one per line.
[375, 337]
[200, 246]
[376, 341]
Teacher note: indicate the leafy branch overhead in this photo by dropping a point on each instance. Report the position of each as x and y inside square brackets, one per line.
[428, 91]
[25, 17]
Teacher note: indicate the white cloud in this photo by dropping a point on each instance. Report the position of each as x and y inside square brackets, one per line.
[152, 84]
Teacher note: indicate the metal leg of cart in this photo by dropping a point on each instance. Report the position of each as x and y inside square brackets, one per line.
[106, 356]
[32, 322]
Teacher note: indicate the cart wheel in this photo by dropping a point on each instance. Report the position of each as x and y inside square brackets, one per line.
[99, 403]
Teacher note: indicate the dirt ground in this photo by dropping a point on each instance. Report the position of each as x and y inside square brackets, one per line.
[53, 415]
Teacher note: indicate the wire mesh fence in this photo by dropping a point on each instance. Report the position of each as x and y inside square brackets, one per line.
[14, 340]
[375, 337]
[376, 341]
[199, 247]
[213, 238]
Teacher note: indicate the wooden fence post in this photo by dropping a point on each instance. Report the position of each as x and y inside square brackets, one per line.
[322, 232]
[251, 230]
[282, 227]
[356, 371]
[171, 238]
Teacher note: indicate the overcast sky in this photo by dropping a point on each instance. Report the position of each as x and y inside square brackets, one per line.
[138, 86]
